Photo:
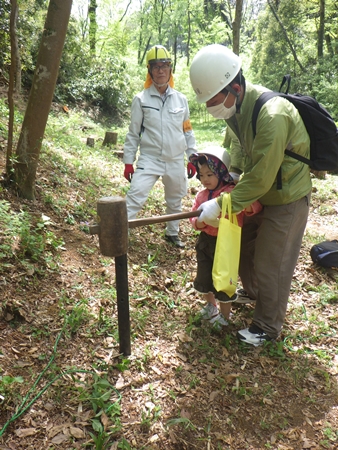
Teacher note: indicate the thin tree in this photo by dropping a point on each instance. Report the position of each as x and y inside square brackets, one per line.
[320, 45]
[236, 26]
[188, 35]
[92, 26]
[293, 51]
[11, 87]
[41, 96]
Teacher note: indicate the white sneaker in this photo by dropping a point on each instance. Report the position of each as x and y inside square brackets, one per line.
[218, 321]
[208, 312]
[253, 335]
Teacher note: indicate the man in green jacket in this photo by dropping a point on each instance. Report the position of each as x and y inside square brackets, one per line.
[271, 240]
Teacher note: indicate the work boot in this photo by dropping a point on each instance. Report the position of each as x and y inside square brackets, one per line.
[175, 240]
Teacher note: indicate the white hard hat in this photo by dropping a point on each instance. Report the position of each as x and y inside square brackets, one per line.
[219, 152]
[212, 69]
[210, 153]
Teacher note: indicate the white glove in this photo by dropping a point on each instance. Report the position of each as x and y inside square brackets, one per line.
[210, 212]
[235, 176]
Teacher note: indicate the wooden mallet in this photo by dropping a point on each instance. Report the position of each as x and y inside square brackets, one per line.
[112, 229]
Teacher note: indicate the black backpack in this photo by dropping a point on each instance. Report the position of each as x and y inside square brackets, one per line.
[319, 124]
[325, 253]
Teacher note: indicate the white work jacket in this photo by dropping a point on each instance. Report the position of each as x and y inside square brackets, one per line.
[159, 128]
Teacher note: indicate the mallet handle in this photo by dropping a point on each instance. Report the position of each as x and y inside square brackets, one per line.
[159, 219]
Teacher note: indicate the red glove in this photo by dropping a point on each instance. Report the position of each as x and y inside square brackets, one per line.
[191, 170]
[128, 171]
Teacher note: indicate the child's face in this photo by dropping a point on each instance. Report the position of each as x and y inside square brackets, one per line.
[208, 178]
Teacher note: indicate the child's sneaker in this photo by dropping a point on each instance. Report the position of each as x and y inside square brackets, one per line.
[218, 322]
[208, 312]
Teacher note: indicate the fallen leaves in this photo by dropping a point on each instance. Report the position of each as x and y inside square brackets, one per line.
[229, 397]
[24, 432]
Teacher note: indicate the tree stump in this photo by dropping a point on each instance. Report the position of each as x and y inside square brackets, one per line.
[90, 141]
[319, 174]
[110, 138]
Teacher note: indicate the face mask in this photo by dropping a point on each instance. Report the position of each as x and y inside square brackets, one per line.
[222, 112]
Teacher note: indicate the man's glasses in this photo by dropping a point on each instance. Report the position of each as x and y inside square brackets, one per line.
[157, 68]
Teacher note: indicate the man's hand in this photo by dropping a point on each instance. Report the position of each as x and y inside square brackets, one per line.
[210, 212]
[128, 171]
[191, 170]
[213, 223]
[235, 177]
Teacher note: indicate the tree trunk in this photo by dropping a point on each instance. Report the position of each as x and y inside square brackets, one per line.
[286, 36]
[41, 96]
[12, 79]
[329, 44]
[15, 53]
[110, 138]
[236, 26]
[189, 35]
[92, 26]
[145, 49]
[175, 51]
[320, 44]
[90, 142]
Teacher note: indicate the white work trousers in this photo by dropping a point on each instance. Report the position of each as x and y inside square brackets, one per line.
[174, 179]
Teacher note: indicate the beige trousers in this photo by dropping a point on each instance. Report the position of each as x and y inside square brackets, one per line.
[271, 242]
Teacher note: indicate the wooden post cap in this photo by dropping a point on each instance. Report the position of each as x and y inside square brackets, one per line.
[113, 226]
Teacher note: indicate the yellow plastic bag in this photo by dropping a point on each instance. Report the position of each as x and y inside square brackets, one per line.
[227, 252]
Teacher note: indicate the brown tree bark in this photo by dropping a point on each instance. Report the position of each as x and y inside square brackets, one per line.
[110, 138]
[189, 35]
[11, 87]
[320, 45]
[236, 26]
[41, 96]
[15, 53]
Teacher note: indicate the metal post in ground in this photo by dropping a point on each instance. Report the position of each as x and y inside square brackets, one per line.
[113, 240]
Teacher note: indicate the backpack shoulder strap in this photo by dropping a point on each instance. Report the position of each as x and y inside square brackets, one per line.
[286, 80]
[266, 96]
[262, 99]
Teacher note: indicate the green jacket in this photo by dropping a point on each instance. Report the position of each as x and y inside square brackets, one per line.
[279, 126]
[236, 151]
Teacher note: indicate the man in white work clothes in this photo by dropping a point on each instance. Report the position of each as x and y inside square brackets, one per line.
[160, 129]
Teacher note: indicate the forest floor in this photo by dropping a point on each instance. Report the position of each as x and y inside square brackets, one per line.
[184, 386]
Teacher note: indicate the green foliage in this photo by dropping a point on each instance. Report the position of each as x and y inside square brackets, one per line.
[106, 403]
[104, 85]
[26, 237]
[272, 55]
[181, 421]
[32, 15]
[6, 385]
[80, 315]
[108, 81]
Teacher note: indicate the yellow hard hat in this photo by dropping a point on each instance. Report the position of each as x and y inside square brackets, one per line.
[156, 54]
